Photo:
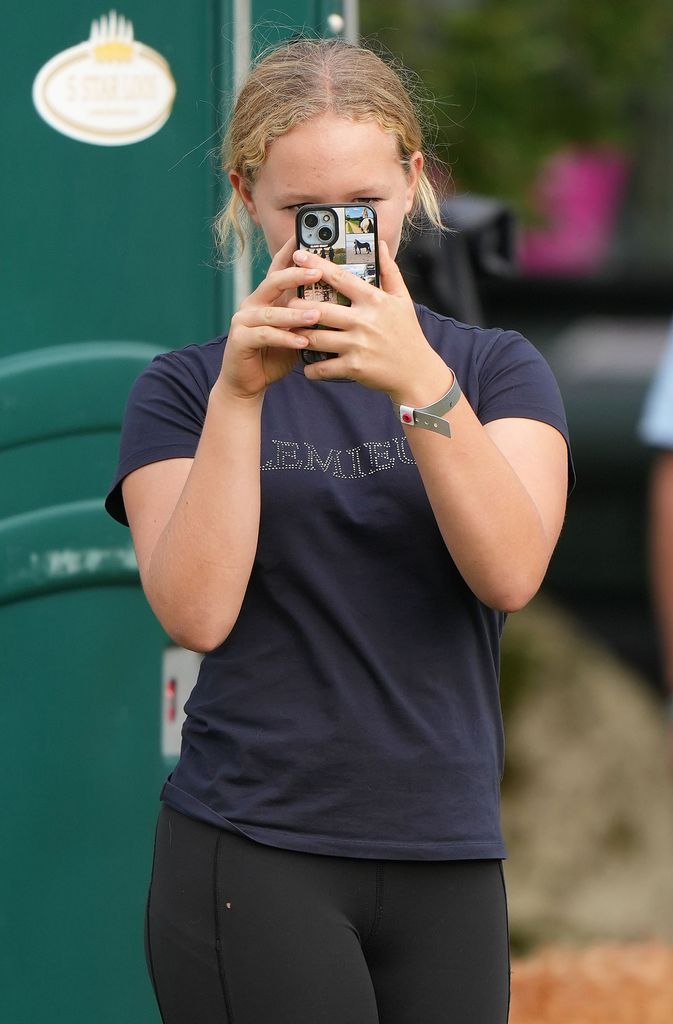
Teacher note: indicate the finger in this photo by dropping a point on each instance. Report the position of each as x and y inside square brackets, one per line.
[283, 257]
[335, 274]
[327, 369]
[392, 281]
[271, 337]
[276, 316]
[324, 341]
[329, 314]
[279, 281]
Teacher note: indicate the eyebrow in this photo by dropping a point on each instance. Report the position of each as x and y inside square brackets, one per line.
[295, 198]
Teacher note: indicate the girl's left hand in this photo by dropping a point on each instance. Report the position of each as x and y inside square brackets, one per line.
[378, 339]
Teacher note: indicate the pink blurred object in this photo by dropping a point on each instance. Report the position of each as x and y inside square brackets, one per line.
[578, 194]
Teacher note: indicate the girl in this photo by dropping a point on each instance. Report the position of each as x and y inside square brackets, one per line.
[328, 848]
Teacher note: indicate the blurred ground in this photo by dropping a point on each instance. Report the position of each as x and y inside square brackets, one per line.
[630, 984]
[587, 793]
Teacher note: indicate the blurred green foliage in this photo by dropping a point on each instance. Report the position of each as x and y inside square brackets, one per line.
[516, 80]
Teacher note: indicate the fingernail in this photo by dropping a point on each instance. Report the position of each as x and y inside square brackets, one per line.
[309, 314]
[311, 272]
[300, 257]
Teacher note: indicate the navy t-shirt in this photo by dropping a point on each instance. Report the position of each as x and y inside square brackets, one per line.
[354, 708]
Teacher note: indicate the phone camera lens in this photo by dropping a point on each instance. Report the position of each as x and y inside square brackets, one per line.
[310, 220]
[325, 234]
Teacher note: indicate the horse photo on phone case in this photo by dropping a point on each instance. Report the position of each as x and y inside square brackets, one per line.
[344, 234]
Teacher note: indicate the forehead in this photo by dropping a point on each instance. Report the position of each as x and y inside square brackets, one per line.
[330, 152]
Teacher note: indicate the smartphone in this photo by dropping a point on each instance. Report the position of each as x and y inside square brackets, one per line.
[344, 234]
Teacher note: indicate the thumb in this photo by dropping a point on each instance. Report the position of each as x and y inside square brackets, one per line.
[282, 259]
[392, 281]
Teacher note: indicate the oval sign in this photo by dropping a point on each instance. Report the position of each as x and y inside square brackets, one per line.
[109, 90]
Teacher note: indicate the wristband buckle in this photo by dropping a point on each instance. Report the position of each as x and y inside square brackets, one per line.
[417, 418]
[430, 417]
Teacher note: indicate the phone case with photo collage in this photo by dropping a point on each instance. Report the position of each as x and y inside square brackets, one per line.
[345, 235]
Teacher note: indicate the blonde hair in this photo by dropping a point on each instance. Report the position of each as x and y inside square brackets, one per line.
[305, 78]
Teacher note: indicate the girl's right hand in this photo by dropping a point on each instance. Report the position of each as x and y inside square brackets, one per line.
[261, 347]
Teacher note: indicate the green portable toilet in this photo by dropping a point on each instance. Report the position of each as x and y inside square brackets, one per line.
[79, 703]
[108, 189]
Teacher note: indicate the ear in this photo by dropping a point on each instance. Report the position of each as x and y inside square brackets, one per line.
[413, 174]
[244, 192]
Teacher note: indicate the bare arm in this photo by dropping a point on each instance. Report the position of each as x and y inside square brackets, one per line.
[498, 491]
[195, 522]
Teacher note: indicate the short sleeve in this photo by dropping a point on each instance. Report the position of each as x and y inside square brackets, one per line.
[164, 418]
[515, 381]
[656, 423]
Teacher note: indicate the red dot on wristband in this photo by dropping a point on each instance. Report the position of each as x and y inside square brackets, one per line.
[406, 418]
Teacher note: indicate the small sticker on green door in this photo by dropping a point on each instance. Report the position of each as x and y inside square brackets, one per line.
[110, 90]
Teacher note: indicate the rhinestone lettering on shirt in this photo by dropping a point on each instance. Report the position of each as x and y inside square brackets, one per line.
[350, 464]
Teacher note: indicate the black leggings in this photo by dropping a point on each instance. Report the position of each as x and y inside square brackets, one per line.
[242, 933]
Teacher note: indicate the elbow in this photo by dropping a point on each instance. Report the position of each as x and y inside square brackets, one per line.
[197, 619]
[515, 602]
[509, 587]
[196, 638]
[201, 634]
[512, 594]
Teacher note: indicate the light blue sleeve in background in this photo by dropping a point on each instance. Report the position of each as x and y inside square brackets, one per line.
[656, 423]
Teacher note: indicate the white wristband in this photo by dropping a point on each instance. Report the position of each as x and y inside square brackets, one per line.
[430, 416]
